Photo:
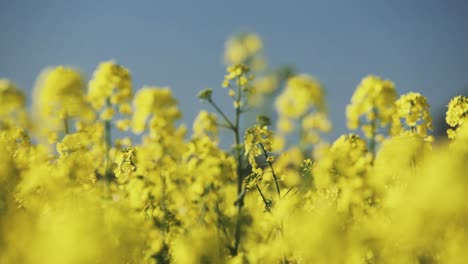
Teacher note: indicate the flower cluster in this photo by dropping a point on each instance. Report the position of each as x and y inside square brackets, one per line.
[157, 103]
[12, 101]
[372, 105]
[257, 142]
[111, 86]
[413, 109]
[303, 101]
[457, 114]
[205, 125]
[237, 72]
[59, 98]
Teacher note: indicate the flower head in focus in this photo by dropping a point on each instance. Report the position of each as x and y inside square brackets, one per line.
[457, 114]
[257, 140]
[411, 115]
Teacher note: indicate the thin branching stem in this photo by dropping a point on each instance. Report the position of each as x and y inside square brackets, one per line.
[215, 106]
[265, 201]
[289, 190]
[275, 178]
[235, 127]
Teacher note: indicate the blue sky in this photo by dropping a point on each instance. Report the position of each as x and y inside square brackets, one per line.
[421, 45]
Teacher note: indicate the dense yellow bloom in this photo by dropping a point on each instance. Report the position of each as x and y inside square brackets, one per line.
[59, 97]
[125, 164]
[344, 170]
[84, 150]
[176, 198]
[257, 141]
[197, 246]
[71, 228]
[111, 83]
[205, 124]
[352, 154]
[72, 143]
[12, 102]
[395, 160]
[411, 115]
[157, 103]
[457, 113]
[303, 101]
[372, 101]
[302, 93]
[8, 179]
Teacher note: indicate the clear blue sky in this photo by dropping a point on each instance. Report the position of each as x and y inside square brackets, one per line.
[422, 45]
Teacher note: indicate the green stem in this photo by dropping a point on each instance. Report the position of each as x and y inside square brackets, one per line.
[267, 205]
[265, 153]
[231, 126]
[107, 135]
[108, 144]
[65, 125]
[240, 194]
[372, 142]
[240, 177]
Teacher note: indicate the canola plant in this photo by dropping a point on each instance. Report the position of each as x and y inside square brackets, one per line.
[74, 191]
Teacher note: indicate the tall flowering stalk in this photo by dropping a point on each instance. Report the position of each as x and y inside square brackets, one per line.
[372, 107]
[237, 82]
[110, 89]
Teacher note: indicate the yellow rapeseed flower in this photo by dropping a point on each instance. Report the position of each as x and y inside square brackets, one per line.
[303, 100]
[457, 114]
[59, 97]
[156, 102]
[257, 139]
[205, 125]
[242, 47]
[12, 102]
[302, 93]
[372, 101]
[111, 84]
[411, 115]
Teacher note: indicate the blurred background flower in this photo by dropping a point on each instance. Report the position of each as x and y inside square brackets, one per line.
[420, 45]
